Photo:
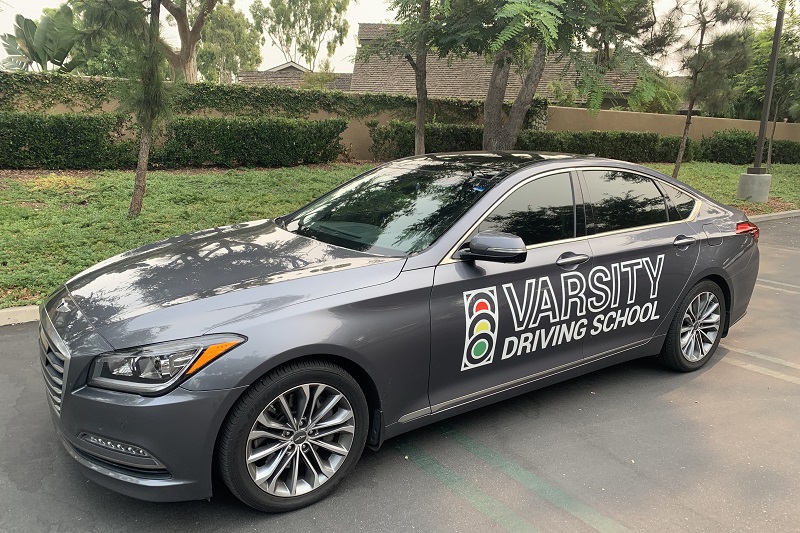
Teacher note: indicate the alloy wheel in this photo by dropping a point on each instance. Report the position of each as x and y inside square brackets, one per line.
[300, 440]
[700, 326]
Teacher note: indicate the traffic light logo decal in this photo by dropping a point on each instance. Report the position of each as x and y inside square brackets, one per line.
[480, 307]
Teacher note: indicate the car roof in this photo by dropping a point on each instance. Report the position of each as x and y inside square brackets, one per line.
[497, 162]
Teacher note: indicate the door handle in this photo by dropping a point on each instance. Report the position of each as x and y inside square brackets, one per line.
[683, 240]
[570, 259]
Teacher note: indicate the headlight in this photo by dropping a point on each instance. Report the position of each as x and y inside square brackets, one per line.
[155, 368]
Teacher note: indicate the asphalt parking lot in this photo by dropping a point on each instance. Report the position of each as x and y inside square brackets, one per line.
[631, 448]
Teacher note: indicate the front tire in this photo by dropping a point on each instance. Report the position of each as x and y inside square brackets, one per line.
[293, 436]
[696, 328]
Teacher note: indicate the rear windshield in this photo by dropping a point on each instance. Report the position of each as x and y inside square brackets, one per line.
[394, 210]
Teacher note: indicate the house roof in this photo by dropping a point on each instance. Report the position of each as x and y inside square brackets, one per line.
[461, 77]
[290, 66]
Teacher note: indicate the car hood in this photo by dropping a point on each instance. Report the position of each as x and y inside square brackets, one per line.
[187, 285]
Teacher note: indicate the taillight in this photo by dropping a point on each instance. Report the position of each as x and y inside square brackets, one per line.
[747, 227]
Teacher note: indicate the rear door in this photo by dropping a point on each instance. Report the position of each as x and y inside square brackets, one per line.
[496, 323]
[642, 258]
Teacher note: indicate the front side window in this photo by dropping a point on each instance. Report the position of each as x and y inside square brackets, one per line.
[622, 200]
[394, 210]
[538, 212]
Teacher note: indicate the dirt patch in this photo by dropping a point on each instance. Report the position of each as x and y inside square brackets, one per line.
[773, 205]
[27, 175]
[21, 294]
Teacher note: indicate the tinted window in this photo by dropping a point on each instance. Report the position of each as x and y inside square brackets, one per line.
[622, 200]
[681, 204]
[396, 209]
[540, 211]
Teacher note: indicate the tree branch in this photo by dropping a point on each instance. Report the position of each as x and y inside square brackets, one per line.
[411, 62]
[202, 17]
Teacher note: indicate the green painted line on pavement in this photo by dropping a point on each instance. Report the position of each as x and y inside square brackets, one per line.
[507, 518]
[534, 483]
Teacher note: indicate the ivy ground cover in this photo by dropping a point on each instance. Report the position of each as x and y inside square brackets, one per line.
[53, 225]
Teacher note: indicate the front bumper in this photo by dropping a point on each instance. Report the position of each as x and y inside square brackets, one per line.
[151, 448]
[178, 431]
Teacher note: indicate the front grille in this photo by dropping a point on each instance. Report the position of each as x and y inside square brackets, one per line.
[54, 363]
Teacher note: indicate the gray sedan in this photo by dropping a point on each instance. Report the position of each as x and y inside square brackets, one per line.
[276, 350]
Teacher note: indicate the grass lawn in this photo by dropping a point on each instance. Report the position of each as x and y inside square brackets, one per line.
[53, 225]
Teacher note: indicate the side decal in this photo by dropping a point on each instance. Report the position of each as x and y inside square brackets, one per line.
[480, 310]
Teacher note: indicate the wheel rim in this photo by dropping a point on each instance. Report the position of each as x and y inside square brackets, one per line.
[700, 326]
[300, 440]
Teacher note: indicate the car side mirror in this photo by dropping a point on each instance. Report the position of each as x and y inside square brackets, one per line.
[495, 246]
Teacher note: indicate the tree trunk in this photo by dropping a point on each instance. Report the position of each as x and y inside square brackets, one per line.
[682, 147]
[522, 103]
[184, 61]
[495, 97]
[140, 182]
[421, 78]
[189, 63]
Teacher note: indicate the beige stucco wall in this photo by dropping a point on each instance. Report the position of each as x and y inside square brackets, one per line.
[355, 138]
[576, 119]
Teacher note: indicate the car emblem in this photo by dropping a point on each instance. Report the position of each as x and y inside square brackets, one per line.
[63, 307]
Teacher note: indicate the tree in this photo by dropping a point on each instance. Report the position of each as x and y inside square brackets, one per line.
[751, 84]
[146, 97]
[184, 60]
[661, 96]
[301, 28]
[230, 43]
[320, 79]
[412, 38]
[716, 48]
[520, 33]
[45, 45]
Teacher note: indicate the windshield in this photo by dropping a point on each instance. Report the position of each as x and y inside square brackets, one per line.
[395, 210]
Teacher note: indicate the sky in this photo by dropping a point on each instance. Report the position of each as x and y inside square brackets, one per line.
[361, 11]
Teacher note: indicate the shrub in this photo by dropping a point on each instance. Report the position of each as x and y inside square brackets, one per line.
[249, 142]
[729, 146]
[637, 147]
[396, 139]
[33, 140]
[785, 152]
[667, 150]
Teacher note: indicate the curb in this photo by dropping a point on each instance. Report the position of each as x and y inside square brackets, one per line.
[775, 216]
[19, 315]
[30, 313]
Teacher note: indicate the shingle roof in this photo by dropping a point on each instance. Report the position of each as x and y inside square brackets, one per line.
[460, 77]
[368, 31]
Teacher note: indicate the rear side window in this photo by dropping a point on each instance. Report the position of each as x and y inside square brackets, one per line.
[622, 200]
[538, 212]
[681, 204]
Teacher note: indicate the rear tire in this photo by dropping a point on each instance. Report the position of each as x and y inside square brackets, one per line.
[696, 328]
[293, 436]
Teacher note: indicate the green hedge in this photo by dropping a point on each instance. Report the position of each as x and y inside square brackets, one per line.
[739, 148]
[396, 139]
[31, 140]
[249, 142]
[730, 146]
[38, 92]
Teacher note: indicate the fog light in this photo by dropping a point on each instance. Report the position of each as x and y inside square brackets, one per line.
[117, 446]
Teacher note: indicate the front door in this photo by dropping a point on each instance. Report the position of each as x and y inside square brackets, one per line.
[496, 323]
